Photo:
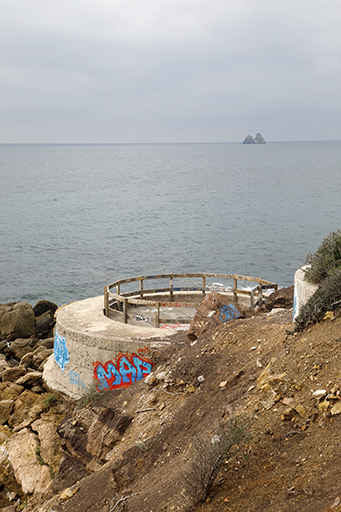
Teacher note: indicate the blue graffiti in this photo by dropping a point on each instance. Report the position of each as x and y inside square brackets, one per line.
[228, 312]
[61, 352]
[76, 380]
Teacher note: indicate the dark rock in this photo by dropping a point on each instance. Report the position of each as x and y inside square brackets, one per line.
[115, 420]
[215, 309]
[17, 321]
[282, 298]
[249, 140]
[45, 322]
[43, 306]
[70, 472]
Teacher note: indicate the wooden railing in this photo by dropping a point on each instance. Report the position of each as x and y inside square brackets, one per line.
[178, 296]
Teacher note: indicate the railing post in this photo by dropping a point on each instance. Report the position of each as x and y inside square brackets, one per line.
[260, 295]
[141, 288]
[235, 286]
[252, 300]
[171, 289]
[106, 301]
[157, 315]
[203, 286]
[125, 311]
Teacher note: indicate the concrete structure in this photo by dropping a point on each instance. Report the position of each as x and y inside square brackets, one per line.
[302, 290]
[92, 349]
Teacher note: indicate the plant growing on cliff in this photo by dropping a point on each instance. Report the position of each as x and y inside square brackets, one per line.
[210, 451]
[326, 260]
[325, 270]
[50, 400]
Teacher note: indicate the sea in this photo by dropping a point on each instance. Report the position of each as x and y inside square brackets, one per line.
[76, 217]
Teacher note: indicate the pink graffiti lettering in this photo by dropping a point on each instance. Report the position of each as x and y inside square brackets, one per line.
[129, 368]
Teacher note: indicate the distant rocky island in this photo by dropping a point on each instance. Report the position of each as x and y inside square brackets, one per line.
[257, 140]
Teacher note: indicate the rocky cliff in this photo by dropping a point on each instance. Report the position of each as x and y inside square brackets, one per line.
[257, 140]
[144, 448]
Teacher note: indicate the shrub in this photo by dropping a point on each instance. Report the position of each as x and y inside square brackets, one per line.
[50, 400]
[326, 259]
[210, 451]
[326, 298]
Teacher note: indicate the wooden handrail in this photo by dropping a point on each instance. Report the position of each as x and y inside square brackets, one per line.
[140, 296]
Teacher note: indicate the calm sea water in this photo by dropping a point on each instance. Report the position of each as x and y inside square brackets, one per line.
[74, 218]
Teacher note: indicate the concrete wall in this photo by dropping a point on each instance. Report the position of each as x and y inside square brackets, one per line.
[91, 348]
[302, 291]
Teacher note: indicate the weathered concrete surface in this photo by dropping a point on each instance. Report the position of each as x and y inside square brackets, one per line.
[91, 348]
[302, 290]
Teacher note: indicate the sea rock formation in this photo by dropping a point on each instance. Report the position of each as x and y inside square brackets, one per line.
[257, 140]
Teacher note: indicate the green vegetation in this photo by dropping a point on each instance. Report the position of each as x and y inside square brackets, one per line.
[326, 260]
[39, 458]
[325, 271]
[91, 395]
[50, 400]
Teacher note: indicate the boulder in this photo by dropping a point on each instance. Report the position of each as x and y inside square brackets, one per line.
[282, 298]
[17, 321]
[30, 379]
[215, 309]
[13, 374]
[21, 346]
[43, 306]
[50, 449]
[6, 407]
[22, 407]
[105, 431]
[22, 451]
[45, 323]
[9, 390]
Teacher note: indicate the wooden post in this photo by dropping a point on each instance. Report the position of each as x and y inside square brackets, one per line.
[171, 289]
[260, 295]
[203, 286]
[235, 286]
[125, 311]
[141, 288]
[157, 315]
[106, 301]
[252, 300]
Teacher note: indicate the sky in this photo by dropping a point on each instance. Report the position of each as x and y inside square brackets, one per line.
[153, 71]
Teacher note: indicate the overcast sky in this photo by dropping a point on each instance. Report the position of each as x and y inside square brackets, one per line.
[169, 70]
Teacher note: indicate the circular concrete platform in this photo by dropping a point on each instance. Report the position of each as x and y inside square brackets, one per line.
[91, 349]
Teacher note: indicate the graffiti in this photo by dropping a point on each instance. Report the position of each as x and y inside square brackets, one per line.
[61, 352]
[127, 369]
[228, 312]
[141, 318]
[75, 379]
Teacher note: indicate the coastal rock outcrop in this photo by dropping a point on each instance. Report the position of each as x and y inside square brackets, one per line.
[259, 139]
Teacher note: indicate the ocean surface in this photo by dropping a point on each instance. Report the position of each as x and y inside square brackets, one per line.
[74, 218]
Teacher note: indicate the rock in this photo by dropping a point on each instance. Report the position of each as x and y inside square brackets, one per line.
[6, 407]
[288, 414]
[40, 355]
[249, 140]
[3, 363]
[267, 380]
[17, 321]
[70, 472]
[30, 379]
[259, 139]
[47, 342]
[215, 309]
[22, 448]
[50, 449]
[9, 390]
[323, 406]
[22, 407]
[45, 323]
[13, 374]
[282, 298]
[301, 410]
[105, 431]
[43, 306]
[336, 409]
[22, 346]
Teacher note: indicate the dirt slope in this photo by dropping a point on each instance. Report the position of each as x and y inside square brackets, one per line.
[256, 366]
